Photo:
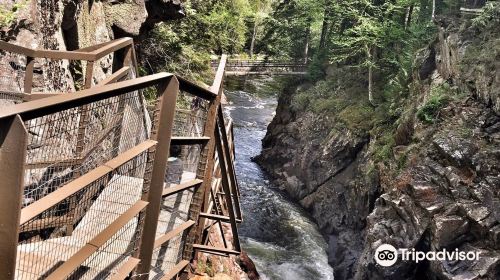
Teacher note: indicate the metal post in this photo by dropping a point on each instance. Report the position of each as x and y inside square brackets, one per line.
[227, 191]
[13, 143]
[162, 134]
[89, 74]
[28, 74]
[202, 195]
[230, 168]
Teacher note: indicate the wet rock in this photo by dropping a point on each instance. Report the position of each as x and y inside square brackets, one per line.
[248, 266]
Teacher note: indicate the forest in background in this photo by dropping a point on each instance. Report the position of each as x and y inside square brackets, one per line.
[379, 36]
[368, 46]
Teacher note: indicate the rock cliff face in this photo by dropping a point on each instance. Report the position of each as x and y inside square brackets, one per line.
[441, 187]
[74, 24]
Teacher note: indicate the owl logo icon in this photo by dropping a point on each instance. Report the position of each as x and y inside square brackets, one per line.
[386, 255]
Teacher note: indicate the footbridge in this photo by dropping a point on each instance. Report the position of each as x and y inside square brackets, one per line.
[237, 67]
[115, 176]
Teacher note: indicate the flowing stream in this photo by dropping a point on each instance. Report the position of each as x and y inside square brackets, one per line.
[276, 233]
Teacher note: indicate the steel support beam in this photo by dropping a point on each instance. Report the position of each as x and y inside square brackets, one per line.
[162, 134]
[13, 144]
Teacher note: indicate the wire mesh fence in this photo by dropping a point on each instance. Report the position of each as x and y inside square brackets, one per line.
[10, 98]
[65, 72]
[173, 213]
[114, 253]
[190, 115]
[67, 144]
[45, 244]
[52, 75]
[69, 203]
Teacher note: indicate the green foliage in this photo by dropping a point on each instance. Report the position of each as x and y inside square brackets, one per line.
[315, 98]
[399, 66]
[206, 267]
[383, 148]
[489, 16]
[358, 117]
[185, 46]
[9, 15]
[315, 69]
[292, 25]
[438, 99]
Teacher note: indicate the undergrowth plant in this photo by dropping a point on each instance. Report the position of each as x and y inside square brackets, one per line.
[9, 15]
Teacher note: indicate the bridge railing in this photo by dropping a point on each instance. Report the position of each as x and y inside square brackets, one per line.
[262, 63]
[264, 66]
[109, 208]
[472, 7]
[91, 194]
[473, 4]
[23, 70]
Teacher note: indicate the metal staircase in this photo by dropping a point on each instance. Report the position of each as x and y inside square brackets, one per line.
[91, 188]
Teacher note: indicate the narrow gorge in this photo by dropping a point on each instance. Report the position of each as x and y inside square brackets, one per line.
[379, 125]
[426, 177]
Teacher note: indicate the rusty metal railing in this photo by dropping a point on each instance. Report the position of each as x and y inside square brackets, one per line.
[19, 66]
[92, 187]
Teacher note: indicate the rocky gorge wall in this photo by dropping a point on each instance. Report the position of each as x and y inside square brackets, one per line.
[439, 189]
[74, 24]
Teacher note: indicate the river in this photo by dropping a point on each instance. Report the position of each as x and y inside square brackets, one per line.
[277, 234]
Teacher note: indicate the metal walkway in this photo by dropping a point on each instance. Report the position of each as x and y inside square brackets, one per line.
[104, 183]
[238, 67]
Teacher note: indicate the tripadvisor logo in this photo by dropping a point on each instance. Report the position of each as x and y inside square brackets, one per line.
[387, 255]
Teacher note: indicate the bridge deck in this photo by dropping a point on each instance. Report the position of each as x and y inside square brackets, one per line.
[40, 258]
[264, 67]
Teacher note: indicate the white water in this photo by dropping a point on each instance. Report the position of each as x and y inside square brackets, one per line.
[277, 234]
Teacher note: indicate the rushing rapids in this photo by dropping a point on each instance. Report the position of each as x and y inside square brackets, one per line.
[277, 234]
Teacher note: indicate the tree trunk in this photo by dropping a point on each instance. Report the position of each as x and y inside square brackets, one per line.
[254, 35]
[409, 13]
[324, 28]
[306, 44]
[370, 75]
[433, 10]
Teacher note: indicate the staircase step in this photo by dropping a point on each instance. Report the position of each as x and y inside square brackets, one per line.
[175, 188]
[217, 217]
[173, 233]
[175, 270]
[181, 140]
[124, 271]
[210, 250]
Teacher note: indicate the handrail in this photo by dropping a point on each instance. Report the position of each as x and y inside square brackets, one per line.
[190, 87]
[219, 75]
[123, 272]
[112, 47]
[155, 151]
[260, 62]
[171, 234]
[119, 74]
[175, 270]
[54, 104]
[31, 211]
[90, 53]
[97, 242]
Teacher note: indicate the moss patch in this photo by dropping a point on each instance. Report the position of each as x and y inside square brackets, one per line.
[8, 13]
